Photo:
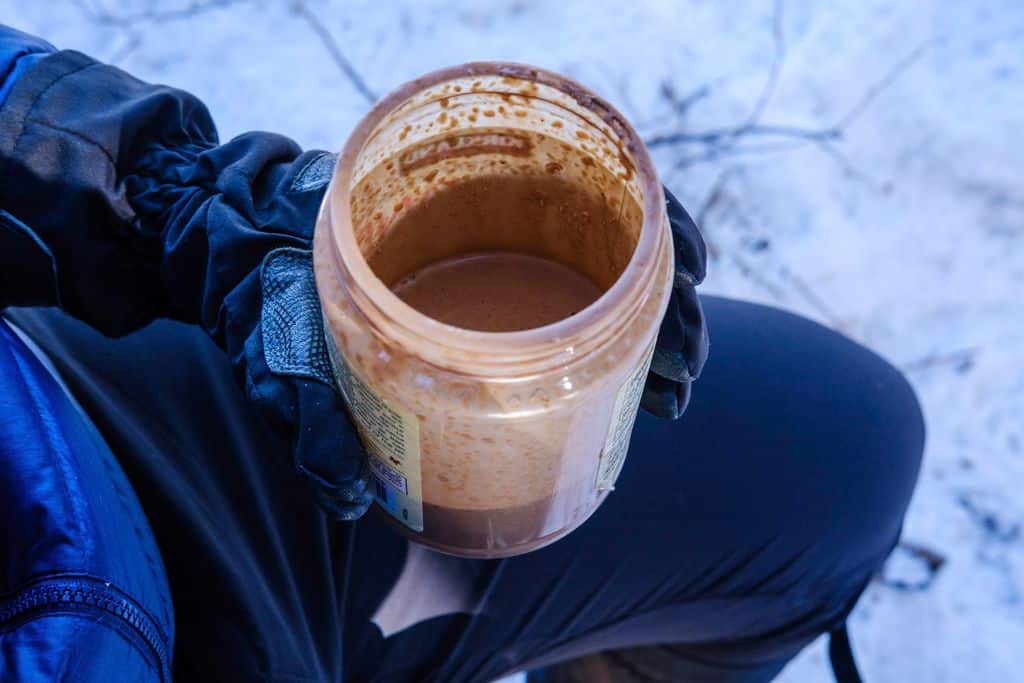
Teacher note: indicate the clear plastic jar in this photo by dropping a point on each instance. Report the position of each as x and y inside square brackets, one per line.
[490, 444]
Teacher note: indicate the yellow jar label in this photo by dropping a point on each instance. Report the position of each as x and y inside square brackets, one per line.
[392, 438]
[616, 444]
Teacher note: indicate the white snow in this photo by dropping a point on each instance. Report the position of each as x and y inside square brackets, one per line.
[914, 245]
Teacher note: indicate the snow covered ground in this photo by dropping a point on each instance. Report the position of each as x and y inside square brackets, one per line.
[891, 207]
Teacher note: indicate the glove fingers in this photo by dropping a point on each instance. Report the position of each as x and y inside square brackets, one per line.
[289, 374]
[665, 398]
[328, 452]
[690, 251]
[682, 345]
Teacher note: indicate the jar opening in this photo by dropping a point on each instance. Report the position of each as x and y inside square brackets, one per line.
[496, 159]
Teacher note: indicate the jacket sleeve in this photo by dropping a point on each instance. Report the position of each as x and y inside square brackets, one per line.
[18, 53]
[144, 213]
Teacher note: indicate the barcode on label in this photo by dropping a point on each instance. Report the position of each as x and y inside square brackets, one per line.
[382, 491]
[388, 475]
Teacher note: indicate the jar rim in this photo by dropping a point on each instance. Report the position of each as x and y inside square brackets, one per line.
[562, 335]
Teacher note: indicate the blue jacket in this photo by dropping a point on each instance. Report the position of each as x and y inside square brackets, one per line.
[83, 592]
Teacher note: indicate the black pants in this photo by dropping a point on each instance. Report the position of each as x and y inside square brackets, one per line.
[738, 533]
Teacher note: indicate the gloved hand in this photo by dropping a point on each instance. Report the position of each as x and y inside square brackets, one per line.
[124, 208]
[121, 207]
[682, 345]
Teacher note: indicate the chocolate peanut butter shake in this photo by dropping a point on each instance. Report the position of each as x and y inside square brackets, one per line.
[493, 261]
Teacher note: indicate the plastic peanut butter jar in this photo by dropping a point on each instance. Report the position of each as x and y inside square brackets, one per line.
[493, 260]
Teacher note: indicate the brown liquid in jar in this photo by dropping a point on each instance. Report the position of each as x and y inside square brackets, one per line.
[497, 291]
[530, 214]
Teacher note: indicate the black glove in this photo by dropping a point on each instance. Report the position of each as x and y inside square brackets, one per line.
[682, 345]
[121, 207]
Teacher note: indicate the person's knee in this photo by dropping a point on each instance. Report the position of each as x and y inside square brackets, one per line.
[834, 431]
[900, 427]
[879, 445]
[870, 432]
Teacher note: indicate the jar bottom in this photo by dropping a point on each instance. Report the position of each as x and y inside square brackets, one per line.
[491, 534]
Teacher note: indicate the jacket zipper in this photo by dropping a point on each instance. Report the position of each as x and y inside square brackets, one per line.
[86, 594]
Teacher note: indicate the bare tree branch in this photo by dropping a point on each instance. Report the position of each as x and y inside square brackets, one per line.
[731, 141]
[756, 276]
[959, 358]
[728, 136]
[716, 199]
[787, 141]
[194, 8]
[681, 105]
[720, 135]
[833, 132]
[713, 199]
[715, 195]
[335, 52]
[721, 142]
[773, 75]
[811, 296]
[851, 171]
[912, 567]
[781, 277]
[742, 149]
[879, 86]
